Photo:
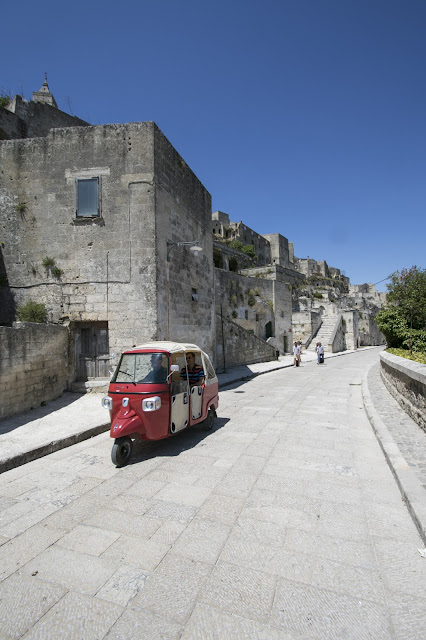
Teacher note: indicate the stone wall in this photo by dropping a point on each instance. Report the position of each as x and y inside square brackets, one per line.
[279, 249]
[239, 346]
[305, 324]
[22, 119]
[184, 284]
[33, 366]
[111, 268]
[368, 331]
[406, 381]
[345, 334]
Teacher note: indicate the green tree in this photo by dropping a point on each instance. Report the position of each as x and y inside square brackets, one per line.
[392, 325]
[403, 319]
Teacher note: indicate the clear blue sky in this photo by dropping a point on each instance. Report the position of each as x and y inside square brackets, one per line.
[302, 117]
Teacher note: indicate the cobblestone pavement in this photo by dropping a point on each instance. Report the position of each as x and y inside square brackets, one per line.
[409, 437]
[285, 522]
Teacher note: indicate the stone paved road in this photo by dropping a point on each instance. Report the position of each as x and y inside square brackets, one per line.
[283, 523]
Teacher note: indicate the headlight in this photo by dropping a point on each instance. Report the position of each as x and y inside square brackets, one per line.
[151, 404]
[107, 402]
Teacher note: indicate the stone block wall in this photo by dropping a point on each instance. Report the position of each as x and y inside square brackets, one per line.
[305, 324]
[184, 284]
[33, 365]
[239, 346]
[113, 267]
[345, 334]
[406, 381]
[368, 331]
[246, 301]
[22, 119]
[107, 263]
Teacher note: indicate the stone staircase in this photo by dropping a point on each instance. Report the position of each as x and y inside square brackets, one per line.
[324, 332]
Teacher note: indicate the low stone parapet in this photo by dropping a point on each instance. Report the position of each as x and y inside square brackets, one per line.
[406, 381]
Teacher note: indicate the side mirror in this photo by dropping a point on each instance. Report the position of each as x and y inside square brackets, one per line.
[173, 369]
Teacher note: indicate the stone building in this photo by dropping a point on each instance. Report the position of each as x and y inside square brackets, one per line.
[255, 294]
[22, 119]
[92, 221]
[226, 230]
[98, 223]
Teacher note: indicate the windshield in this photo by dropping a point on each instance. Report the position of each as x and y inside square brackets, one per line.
[147, 368]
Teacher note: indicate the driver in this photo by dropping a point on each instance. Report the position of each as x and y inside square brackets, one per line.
[195, 371]
[158, 373]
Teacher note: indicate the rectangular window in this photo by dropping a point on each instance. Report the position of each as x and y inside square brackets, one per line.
[87, 197]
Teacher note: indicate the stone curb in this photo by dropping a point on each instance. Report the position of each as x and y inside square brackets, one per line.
[412, 492]
[51, 447]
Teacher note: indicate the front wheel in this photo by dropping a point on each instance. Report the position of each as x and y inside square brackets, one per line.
[121, 451]
[209, 421]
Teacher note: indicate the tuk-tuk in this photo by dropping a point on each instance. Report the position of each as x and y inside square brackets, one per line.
[157, 390]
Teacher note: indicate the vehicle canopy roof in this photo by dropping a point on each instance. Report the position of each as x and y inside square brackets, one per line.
[170, 347]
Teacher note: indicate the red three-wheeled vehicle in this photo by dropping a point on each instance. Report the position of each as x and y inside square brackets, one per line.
[158, 389]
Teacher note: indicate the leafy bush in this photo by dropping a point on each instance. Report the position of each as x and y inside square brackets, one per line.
[416, 339]
[32, 312]
[403, 320]
[236, 244]
[248, 249]
[392, 325]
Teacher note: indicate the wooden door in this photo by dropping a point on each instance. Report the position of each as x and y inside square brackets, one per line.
[92, 348]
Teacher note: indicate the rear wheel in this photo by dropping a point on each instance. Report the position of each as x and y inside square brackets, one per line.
[121, 451]
[209, 421]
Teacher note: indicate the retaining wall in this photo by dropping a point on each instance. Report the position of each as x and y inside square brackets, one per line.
[33, 365]
[241, 346]
[406, 381]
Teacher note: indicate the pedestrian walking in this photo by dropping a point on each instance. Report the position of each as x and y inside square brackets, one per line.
[296, 354]
[320, 352]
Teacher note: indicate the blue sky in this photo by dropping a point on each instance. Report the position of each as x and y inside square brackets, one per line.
[302, 117]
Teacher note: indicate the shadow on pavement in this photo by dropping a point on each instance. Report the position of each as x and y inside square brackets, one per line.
[187, 439]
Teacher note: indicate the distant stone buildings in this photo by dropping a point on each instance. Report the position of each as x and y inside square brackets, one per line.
[97, 223]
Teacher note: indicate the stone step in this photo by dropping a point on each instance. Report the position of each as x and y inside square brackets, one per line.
[99, 385]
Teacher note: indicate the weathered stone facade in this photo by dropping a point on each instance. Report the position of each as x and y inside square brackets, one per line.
[236, 345]
[110, 268]
[21, 119]
[33, 365]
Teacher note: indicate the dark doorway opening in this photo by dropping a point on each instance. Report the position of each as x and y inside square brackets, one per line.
[268, 330]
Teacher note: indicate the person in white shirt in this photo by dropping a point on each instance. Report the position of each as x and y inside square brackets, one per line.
[320, 352]
[296, 354]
